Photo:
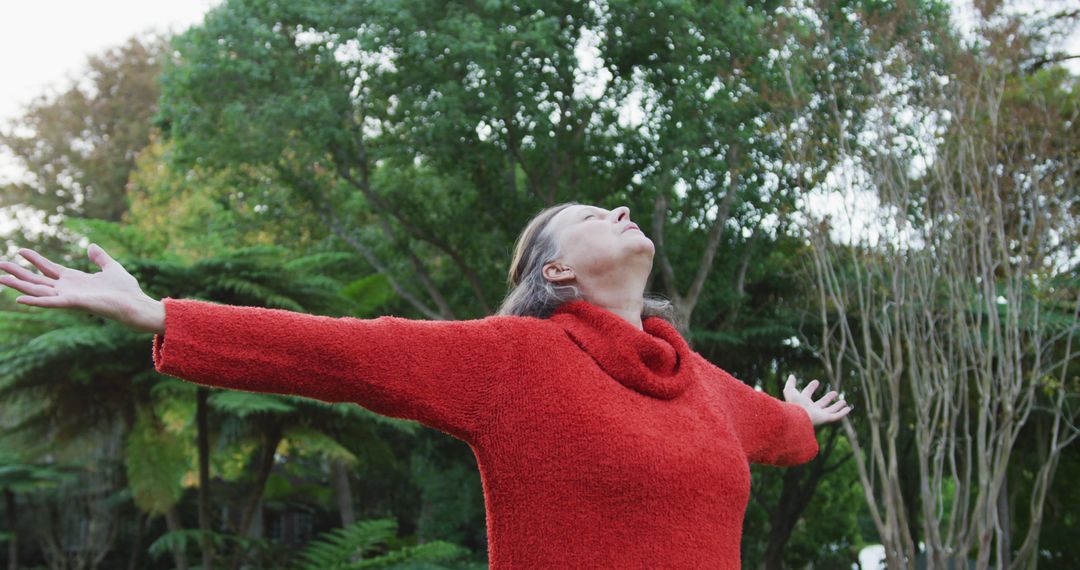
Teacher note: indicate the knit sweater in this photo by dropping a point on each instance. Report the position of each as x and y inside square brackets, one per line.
[599, 445]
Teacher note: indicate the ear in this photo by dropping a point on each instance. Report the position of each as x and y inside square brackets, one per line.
[557, 272]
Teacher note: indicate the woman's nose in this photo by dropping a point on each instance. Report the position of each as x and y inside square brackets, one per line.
[621, 213]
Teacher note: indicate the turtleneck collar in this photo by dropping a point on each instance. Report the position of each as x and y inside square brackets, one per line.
[654, 361]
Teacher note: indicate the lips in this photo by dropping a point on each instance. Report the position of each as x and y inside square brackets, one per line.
[631, 227]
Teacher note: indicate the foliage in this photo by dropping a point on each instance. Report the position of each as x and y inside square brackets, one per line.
[156, 462]
[21, 477]
[364, 158]
[185, 215]
[189, 539]
[428, 134]
[80, 142]
[372, 544]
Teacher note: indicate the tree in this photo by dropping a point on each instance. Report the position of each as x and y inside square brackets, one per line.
[16, 478]
[78, 146]
[187, 215]
[425, 134]
[55, 356]
[443, 126]
[965, 310]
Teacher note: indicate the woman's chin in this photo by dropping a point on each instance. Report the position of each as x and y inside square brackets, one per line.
[643, 243]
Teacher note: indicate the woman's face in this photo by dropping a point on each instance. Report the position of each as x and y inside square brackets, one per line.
[597, 242]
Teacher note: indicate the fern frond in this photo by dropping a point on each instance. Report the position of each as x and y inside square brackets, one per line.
[317, 261]
[335, 550]
[244, 404]
[317, 442]
[414, 557]
[183, 539]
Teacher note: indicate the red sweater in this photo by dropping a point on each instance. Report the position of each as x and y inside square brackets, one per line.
[599, 445]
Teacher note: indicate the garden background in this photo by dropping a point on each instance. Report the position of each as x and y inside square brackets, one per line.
[869, 193]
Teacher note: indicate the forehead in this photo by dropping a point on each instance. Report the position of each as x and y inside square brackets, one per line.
[570, 213]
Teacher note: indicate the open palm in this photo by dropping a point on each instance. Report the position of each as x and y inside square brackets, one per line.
[820, 411]
[112, 293]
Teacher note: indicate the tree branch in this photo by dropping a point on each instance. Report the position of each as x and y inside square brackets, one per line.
[1040, 62]
[531, 181]
[272, 438]
[322, 208]
[659, 217]
[335, 226]
[715, 233]
[422, 235]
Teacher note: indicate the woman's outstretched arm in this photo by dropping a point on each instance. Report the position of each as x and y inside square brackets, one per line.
[435, 372]
[772, 432]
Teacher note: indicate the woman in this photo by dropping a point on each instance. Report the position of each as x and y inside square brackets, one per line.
[602, 440]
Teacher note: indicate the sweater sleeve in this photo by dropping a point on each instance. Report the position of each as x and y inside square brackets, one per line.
[772, 431]
[436, 372]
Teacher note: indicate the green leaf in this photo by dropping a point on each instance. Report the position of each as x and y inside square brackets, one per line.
[156, 462]
[244, 404]
[308, 440]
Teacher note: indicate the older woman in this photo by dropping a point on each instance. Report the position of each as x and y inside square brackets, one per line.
[602, 439]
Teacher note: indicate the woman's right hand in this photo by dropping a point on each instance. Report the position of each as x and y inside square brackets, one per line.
[112, 293]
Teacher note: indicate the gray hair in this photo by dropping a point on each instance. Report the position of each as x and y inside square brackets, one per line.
[532, 295]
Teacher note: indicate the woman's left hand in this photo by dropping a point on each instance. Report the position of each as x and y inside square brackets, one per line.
[820, 412]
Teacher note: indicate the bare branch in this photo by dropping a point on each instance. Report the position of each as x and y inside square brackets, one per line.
[660, 212]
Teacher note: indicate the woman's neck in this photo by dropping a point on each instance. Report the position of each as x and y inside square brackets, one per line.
[628, 304]
[630, 312]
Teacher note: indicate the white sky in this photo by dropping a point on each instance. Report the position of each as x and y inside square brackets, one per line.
[76, 30]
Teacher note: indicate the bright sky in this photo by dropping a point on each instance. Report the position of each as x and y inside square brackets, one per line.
[47, 42]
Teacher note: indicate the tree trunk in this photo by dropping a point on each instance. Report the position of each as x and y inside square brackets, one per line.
[1005, 544]
[272, 437]
[339, 476]
[13, 545]
[172, 521]
[800, 484]
[140, 521]
[255, 529]
[203, 428]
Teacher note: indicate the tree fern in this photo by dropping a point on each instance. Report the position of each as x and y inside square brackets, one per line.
[318, 443]
[319, 263]
[51, 373]
[337, 549]
[361, 545]
[18, 325]
[156, 461]
[348, 410]
[243, 404]
[421, 556]
[184, 539]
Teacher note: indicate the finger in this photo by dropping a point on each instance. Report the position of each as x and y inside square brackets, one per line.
[827, 398]
[836, 407]
[55, 301]
[21, 272]
[842, 413]
[98, 256]
[47, 267]
[28, 288]
[809, 389]
[790, 384]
